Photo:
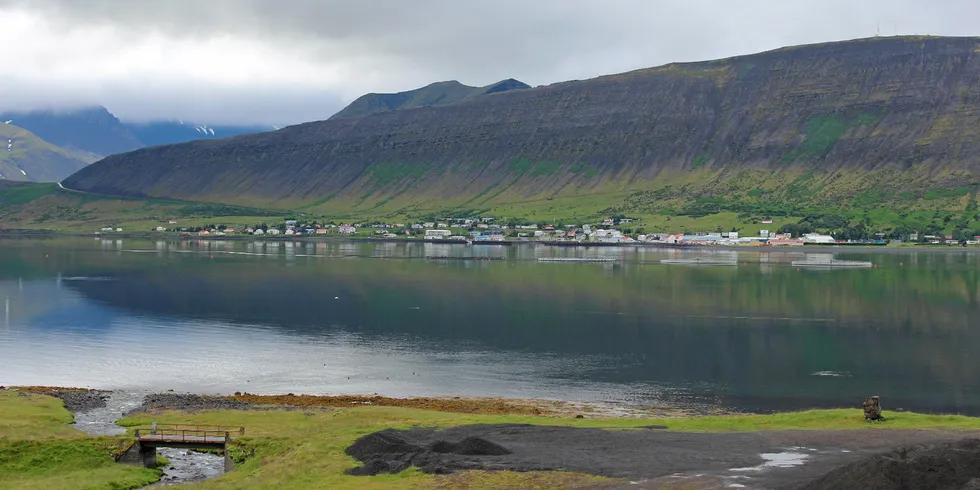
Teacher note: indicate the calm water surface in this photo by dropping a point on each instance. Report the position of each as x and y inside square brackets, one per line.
[344, 317]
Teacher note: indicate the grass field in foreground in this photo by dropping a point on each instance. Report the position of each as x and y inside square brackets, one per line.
[38, 449]
[297, 449]
[302, 449]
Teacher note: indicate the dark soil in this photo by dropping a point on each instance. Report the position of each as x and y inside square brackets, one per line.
[188, 403]
[649, 458]
[947, 466]
[624, 454]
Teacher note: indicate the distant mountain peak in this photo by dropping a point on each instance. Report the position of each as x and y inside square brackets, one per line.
[433, 94]
[91, 129]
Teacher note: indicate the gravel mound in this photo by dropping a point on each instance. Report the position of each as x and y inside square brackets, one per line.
[187, 403]
[81, 401]
[471, 446]
[384, 442]
[388, 452]
[947, 466]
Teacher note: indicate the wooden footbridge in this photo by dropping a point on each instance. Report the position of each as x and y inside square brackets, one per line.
[143, 451]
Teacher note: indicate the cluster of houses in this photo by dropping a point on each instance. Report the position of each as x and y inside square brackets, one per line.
[480, 229]
[943, 240]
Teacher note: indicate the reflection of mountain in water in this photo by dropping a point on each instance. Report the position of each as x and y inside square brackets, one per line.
[756, 334]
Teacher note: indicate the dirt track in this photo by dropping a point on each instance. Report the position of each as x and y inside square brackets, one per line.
[649, 458]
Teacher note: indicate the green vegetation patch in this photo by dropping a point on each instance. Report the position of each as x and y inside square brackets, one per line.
[520, 166]
[16, 194]
[207, 210]
[584, 168]
[933, 194]
[821, 133]
[545, 168]
[383, 174]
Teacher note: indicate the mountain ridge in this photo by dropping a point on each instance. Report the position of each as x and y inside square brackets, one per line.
[434, 94]
[817, 124]
[25, 157]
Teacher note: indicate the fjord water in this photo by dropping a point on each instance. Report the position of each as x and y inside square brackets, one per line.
[368, 317]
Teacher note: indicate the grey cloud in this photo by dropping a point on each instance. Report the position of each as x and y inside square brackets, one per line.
[398, 45]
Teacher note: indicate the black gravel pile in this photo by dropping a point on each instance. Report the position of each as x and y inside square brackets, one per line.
[387, 452]
[188, 403]
[947, 466]
[616, 453]
[471, 446]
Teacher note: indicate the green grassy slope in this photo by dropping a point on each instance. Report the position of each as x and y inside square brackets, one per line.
[30, 158]
[39, 450]
[44, 206]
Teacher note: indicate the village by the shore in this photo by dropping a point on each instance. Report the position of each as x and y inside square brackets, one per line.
[609, 231]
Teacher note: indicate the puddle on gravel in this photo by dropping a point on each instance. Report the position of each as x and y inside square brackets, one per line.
[185, 466]
[787, 459]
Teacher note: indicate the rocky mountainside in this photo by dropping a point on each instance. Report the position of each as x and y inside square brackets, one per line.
[856, 122]
[49, 145]
[25, 157]
[439, 93]
[97, 131]
[91, 129]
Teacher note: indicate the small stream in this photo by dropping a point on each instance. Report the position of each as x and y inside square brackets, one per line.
[185, 466]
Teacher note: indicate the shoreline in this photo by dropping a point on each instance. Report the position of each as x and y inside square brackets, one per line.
[89, 398]
[830, 248]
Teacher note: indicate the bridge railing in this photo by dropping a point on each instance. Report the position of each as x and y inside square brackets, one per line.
[188, 433]
[225, 428]
[171, 435]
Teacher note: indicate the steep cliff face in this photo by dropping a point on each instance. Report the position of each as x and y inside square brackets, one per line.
[904, 111]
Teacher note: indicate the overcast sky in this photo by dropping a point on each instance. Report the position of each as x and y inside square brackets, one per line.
[289, 61]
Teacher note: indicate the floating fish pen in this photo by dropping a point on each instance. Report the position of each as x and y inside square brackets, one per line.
[699, 261]
[830, 263]
[576, 259]
[447, 257]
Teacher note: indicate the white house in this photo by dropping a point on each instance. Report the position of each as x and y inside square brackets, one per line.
[817, 238]
[436, 234]
[347, 229]
[258, 231]
[160, 228]
[273, 231]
